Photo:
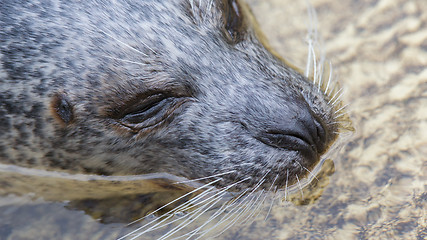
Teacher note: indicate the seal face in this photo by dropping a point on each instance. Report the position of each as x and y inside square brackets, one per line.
[136, 87]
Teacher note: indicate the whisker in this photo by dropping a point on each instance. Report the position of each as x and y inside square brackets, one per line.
[223, 219]
[223, 208]
[256, 208]
[209, 7]
[179, 208]
[224, 189]
[329, 79]
[333, 98]
[312, 16]
[193, 202]
[259, 211]
[338, 98]
[309, 172]
[274, 181]
[192, 5]
[286, 186]
[261, 202]
[271, 205]
[222, 192]
[337, 111]
[309, 56]
[184, 216]
[196, 230]
[237, 201]
[262, 180]
[342, 114]
[124, 60]
[312, 36]
[229, 214]
[318, 65]
[299, 186]
[248, 203]
[136, 235]
[192, 218]
[177, 199]
[166, 216]
[127, 45]
[321, 73]
[314, 66]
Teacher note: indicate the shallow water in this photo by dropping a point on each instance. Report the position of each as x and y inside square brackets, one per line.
[378, 190]
[379, 53]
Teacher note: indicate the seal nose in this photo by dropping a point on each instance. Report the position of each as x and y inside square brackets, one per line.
[304, 132]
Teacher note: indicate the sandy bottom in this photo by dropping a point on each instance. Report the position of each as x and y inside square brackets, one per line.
[379, 53]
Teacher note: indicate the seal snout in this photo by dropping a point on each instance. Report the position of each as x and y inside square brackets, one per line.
[304, 132]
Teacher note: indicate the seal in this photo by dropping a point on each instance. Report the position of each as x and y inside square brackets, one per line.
[176, 86]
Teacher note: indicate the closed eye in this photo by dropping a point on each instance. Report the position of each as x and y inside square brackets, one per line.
[148, 111]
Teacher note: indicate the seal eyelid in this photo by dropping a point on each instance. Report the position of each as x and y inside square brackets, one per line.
[141, 104]
[146, 111]
[233, 20]
[149, 111]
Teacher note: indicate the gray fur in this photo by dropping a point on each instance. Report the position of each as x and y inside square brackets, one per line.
[98, 54]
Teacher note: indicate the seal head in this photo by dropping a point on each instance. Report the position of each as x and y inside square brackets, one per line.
[136, 87]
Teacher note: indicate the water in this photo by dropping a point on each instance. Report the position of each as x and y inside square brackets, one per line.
[379, 50]
[378, 188]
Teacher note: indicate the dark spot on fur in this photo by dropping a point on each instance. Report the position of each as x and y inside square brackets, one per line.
[4, 122]
[49, 154]
[62, 108]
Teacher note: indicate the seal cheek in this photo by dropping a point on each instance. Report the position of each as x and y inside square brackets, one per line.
[62, 109]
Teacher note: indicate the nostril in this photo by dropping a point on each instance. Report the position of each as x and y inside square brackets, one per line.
[291, 140]
[289, 134]
[307, 135]
[320, 138]
[296, 127]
